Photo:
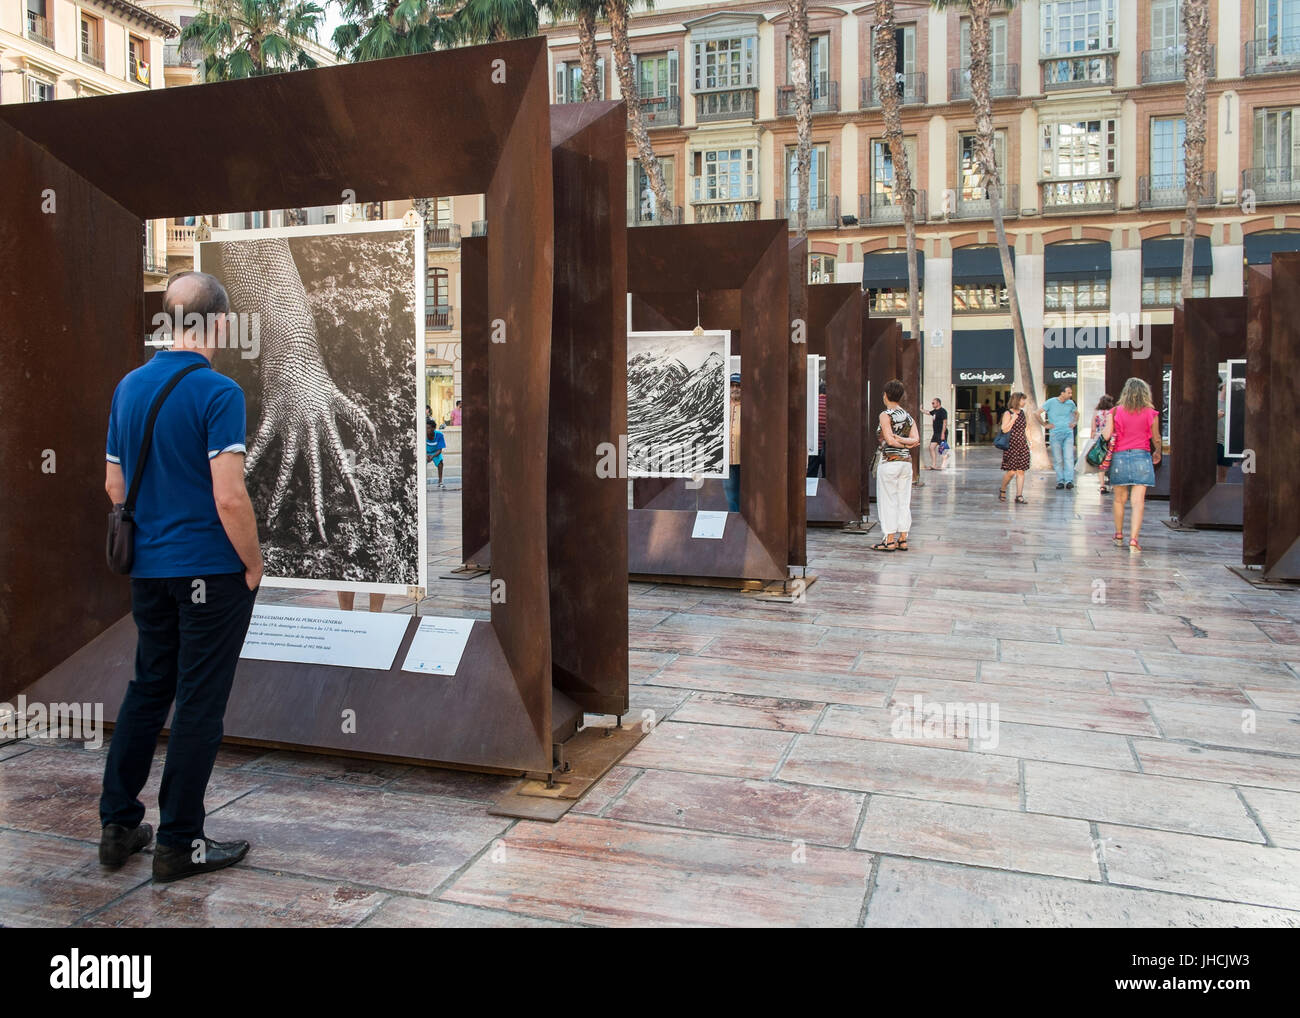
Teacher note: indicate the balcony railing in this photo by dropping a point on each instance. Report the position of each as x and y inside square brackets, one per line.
[93, 55]
[911, 88]
[1168, 64]
[1169, 191]
[1269, 56]
[725, 212]
[823, 211]
[479, 228]
[661, 110]
[443, 236]
[976, 204]
[176, 55]
[38, 29]
[154, 263]
[1272, 184]
[735, 104]
[882, 208]
[1091, 71]
[439, 319]
[180, 236]
[1004, 80]
[825, 98]
[1081, 194]
[639, 217]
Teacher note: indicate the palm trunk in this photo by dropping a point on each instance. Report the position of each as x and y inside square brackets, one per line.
[1196, 32]
[981, 98]
[618, 17]
[800, 75]
[587, 53]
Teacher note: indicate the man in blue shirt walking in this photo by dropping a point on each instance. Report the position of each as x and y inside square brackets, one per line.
[194, 578]
[1061, 415]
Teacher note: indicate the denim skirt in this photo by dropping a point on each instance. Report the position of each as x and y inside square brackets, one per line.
[1132, 466]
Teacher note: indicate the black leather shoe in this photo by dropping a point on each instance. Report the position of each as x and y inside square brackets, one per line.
[118, 843]
[1069, 485]
[1059, 485]
[177, 863]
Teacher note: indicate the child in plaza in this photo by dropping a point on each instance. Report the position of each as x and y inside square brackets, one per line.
[434, 443]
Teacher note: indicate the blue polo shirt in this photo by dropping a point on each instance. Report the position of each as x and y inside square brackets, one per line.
[1059, 414]
[177, 530]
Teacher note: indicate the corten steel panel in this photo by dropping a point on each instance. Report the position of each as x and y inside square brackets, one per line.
[797, 415]
[69, 331]
[386, 129]
[1258, 437]
[586, 514]
[300, 139]
[475, 438]
[1283, 559]
[835, 332]
[884, 362]
[752, 257]
[1123, 363]
[909, 373]
[1213, 330]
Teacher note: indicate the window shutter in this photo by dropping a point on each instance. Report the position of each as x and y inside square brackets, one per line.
[672, 72]
[633, 197]
[909, 50]
[560, 97]
[1295, 143]
[600, 77]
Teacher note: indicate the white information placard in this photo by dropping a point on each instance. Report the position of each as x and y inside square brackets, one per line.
[709, 524]
[323, 636]
[438, 645]
[811, 485]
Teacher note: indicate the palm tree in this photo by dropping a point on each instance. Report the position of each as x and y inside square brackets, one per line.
[800, 75]
[618, 11]
[982, 102]
[886, 59]
[249, 38]
[374, 29]
[496, 20]
[1196, 32]
[585, 13]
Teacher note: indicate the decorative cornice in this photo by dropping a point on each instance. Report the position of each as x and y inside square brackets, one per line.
[131, 12]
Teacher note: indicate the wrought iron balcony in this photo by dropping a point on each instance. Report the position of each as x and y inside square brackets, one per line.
[1004, 81]
[823, 211]
[479, 228]
[912, 90]
[1078, 194]
[1169, 191]
[155, 264]
[661, 110]
[733, 104]
[443, 236]
[438, 320]
[974, 203]
[93, 56]
[39, 30]
[882, 208]
[176, 55]
[725, 212]
[1272, 184]
[1168, 64]
[1272, 55]
[642, 217]
[825, 98]
[1092, 70]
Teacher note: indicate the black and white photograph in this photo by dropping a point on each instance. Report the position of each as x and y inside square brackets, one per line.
[677, 403]
[816, 379]
[335, 465]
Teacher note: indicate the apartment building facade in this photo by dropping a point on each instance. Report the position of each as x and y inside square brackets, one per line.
[61, 49]
[1088, 108]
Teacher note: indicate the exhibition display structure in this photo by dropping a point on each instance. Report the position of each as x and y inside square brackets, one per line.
[835, 324]
[75, 200]
[1148, 359]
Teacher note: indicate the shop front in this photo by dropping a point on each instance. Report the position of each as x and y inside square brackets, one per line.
[983, 367]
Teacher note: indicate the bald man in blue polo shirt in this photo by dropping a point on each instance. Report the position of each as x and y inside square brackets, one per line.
[194, 578]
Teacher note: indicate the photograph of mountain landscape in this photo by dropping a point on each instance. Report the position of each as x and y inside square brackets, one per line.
[677, 405]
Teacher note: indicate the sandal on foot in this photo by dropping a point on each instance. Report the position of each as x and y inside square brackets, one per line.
[885, 546]
[1002, 494]
[1133, 546]
[1119, 538]
[1022, 500]
[902, 545]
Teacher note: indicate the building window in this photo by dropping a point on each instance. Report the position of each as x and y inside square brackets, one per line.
[893, 300]
[39, 90]
[1076, 294]
[436, 292]
[1278, 20]
[817, 187]
[972, 184]
[977, 297]
[137, 62]
[726, 63]
[819, 64]
[1163, 291]
[882, 170]
[656, 75]
[647, 210]
[1077, 26]
[442, 212]
[726, 174]
[1083, 148]
[1168, 169]
[568, 81]
[821, 268]
[1277, 143]
[38, 22]
[92, 40]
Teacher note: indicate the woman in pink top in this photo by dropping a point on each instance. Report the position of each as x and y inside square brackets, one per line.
[1133, 431]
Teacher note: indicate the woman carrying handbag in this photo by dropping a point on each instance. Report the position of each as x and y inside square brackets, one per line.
[1097, 452]
[1014, 446]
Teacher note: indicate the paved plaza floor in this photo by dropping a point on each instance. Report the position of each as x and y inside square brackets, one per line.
[1135, 762]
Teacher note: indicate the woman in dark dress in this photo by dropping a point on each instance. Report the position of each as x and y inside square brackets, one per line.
[1015, 460]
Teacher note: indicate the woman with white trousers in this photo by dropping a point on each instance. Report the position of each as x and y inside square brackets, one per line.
[896, 436]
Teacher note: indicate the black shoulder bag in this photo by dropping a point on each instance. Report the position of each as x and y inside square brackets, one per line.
[120, 548]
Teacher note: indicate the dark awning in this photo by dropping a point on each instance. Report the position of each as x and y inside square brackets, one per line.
[983, 356]
[1063, 347]
[888, 270]
[1260, 246]
[1089, 260]
[1163, 256]
[978, 265]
